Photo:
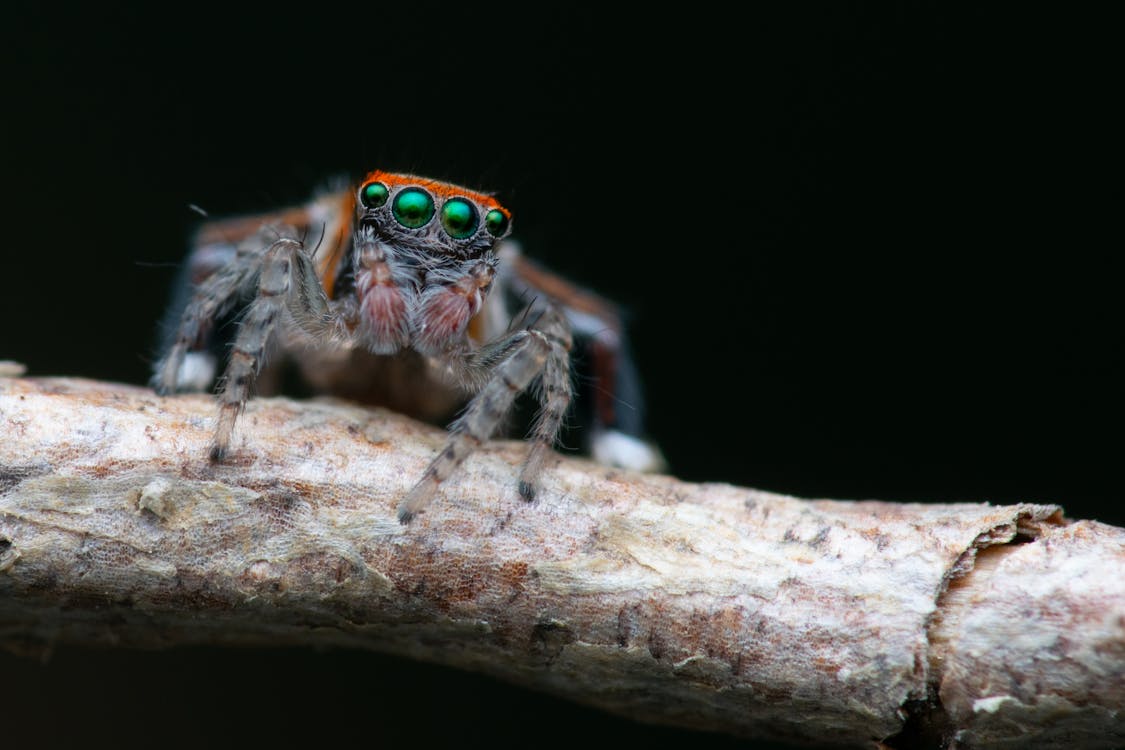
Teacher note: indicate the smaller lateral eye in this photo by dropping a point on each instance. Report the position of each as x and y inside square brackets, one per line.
[496, 222]
[373, 195]
[459, 217]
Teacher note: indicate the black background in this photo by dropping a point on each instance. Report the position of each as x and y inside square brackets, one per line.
[867, 252]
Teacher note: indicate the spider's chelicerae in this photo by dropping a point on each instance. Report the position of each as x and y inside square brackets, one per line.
[412, 298]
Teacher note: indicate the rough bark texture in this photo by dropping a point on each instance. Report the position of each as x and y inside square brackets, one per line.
[705, 606]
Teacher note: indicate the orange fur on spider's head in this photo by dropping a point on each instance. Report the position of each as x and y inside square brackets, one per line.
[442, 190]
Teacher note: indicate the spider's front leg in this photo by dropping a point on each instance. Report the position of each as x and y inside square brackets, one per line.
[540, 351]
[287, 279]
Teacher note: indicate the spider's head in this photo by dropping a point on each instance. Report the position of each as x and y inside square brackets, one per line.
[436, 217]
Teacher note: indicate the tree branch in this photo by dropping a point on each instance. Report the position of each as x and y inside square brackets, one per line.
[705, 606]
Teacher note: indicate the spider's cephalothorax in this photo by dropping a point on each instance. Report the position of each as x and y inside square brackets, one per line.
[406, 301]
[423, 261]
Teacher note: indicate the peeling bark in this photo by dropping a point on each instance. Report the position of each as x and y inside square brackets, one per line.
[706, 606]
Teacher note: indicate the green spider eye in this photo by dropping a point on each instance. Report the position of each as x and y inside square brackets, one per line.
[373, 195]
[496, 222]
[459, 217]
[413, 207]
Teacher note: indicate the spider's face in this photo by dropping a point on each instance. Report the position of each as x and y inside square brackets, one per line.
[437, 217]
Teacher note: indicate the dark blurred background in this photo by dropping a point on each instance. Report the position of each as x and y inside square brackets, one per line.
[867, 253]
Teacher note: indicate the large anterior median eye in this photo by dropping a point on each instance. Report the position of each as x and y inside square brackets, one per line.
[413, 207]
[373, 195]
[459, 217]
[496, 222]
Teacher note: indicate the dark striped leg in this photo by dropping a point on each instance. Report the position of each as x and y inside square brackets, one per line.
[527, 353]
[612, 384]
[554, 398]
[213, 297]
[254, 335]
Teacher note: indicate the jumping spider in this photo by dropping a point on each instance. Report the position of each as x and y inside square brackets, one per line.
[411, 298]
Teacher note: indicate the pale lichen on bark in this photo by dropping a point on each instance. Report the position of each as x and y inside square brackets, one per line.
[708, 606]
